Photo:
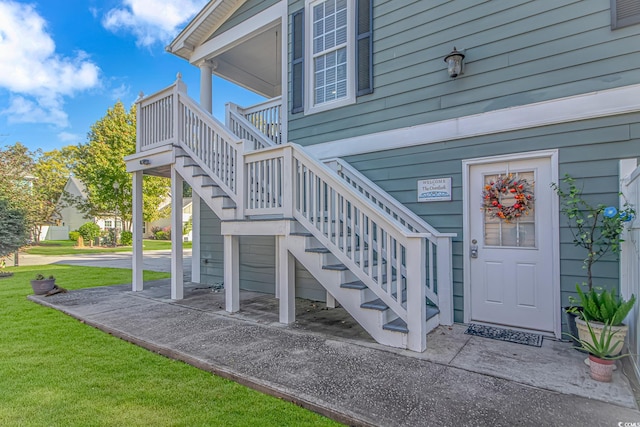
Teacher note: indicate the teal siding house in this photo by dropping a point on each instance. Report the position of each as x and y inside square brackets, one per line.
[371, 176]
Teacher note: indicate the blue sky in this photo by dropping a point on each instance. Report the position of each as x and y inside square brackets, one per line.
[63, 63]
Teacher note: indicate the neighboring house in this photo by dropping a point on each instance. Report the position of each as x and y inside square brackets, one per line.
[70, 218]
[361, 178]
[166, 222]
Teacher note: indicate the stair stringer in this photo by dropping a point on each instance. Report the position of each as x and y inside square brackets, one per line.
[350, 299]
[204, 186]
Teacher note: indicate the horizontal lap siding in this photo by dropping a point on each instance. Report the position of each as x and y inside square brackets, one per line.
[211, 247]
[257, 261]
[517, 52]
[588, 150]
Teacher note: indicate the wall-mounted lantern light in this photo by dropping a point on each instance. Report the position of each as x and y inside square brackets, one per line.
[454, 63]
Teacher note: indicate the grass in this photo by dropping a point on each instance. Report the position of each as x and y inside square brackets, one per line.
[68, 247]
[58, 371]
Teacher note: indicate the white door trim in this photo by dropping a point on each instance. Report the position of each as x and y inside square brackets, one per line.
[555, 225]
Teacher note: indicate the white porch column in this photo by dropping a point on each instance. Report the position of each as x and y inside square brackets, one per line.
[232, 273]
[177, 279]
[136, 262]
[286, 282]
[206, 87]
[195, 238]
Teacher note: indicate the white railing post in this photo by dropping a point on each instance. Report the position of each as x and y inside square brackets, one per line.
[416, 294]
[140, 122]
[179, 87]
[287, 183]
[228, 108]
[241, 181]
[444, 280]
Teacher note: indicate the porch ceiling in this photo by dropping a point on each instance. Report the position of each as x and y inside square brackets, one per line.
[254, 64]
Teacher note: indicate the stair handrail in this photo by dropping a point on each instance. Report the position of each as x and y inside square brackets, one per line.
[225, 165]
[384, 200]
[406, 251]
[242, 128]
[269, 115]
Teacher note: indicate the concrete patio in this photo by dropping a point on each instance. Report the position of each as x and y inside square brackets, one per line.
[328, 363]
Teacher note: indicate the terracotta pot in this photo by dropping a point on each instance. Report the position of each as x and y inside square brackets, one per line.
[601, 369]
[41, 287]
[620, 332]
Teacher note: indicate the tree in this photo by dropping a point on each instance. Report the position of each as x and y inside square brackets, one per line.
[100, 165]
[13, 229]
[51, 172]
[33, 182]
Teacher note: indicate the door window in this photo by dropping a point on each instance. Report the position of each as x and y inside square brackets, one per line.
[516, 232]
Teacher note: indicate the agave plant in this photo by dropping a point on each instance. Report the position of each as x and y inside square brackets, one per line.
[600, 348]
[604, 306]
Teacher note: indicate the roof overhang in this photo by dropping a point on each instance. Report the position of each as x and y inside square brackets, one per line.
[206, 22]
[248, 54]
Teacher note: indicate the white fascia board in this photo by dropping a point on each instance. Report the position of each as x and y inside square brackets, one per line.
[239, 33]
[181, 39]
[591, 105]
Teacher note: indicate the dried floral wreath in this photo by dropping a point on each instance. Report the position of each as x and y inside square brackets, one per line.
[502, 189]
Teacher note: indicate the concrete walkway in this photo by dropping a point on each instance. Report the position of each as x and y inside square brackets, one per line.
[325, 362]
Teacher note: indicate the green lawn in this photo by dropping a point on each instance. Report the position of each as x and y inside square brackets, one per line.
[57, 371]
[67, 247]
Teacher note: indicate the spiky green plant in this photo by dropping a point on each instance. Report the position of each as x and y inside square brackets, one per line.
[601, 348]
[604, 306]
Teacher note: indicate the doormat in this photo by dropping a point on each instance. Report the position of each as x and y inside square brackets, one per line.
[502, 334]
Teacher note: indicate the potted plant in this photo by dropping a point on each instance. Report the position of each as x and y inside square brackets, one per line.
[603, 309]
[601, 351]
[42, 285]
[597, 229]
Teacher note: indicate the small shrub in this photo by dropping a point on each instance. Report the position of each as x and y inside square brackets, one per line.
[154, 231]
[126, 238]
[73, 235]
[89, 231]
[161, 235]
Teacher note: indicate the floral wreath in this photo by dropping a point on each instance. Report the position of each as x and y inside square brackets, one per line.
[505, 186]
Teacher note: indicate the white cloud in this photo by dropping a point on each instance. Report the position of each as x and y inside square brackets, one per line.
[121, 92]
[70, 137]
[151, 21]
[36, 76]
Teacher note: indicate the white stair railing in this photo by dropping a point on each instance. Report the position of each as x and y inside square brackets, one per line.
[266, 117]
[439, 243]
[242, 128]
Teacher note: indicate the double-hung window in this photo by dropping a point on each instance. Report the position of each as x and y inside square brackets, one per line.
[331, 64]
[331, 54]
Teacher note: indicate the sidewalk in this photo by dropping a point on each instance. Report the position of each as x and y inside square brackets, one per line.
[326, 363]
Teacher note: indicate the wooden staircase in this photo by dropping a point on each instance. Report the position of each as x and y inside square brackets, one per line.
[384, 265]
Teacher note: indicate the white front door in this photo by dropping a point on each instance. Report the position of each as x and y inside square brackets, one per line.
[511, 260]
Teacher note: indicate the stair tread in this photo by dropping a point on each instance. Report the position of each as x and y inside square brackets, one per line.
[358, 284]
[338, 267]
[432, 311]
[318, 250]
[301, 233]
[376, 304]
[397, 325]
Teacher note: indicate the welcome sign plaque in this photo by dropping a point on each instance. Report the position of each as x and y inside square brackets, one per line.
[434, 190]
